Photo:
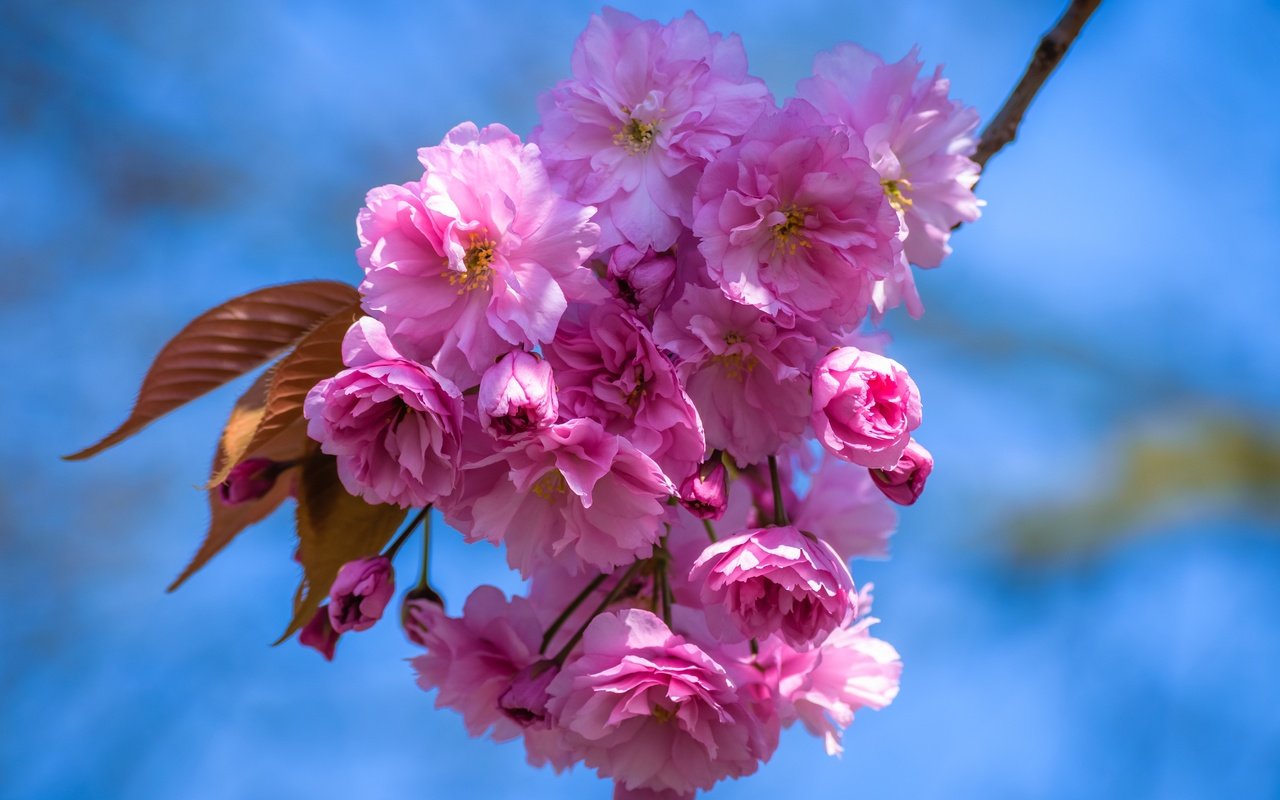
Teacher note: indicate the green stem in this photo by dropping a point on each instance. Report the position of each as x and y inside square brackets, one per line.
[568, 611]
[391, 551]
[779, 512]
[711, 532]
[609, 599]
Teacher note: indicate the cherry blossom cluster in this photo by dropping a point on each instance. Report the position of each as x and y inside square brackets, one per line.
[636, 351]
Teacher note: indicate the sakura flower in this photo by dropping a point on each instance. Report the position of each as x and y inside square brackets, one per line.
[525, 700]
[517, 395]
[845, 509]
[250, 480]
[705, 493]
[360, 592]
[776, 580]
[319, 634]
[471, 661]
[574, 492]
[917, 138]
[653, 711]
[793, 220]
[647, 107]
[394, 425]
[478, 257]
[854, 670]
[608, 368]
[642, 278]
[865, 407]
[746, 374]
[904, 482]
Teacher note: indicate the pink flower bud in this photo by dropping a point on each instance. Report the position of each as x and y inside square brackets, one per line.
[525, 702]
[706, 492]
[517, 395]
[251, 479]
[864, 407]
[360, 593]
[643, 277]
[904, 482]
[418, 612]
[319, 633]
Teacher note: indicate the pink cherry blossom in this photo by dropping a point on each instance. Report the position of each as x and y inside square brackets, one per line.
[651, 710]
[319, 634]
[608, 368]
[360, 593]
[641, 278]
[477, 257]
[793, 220]
[250, 480]
[517, 395]
[776, 580]
[845, 509]
[573, 492]
[471, 660]
[904, 482]
[854, 670]
[747, 374]
[648, 105]
[865, 407]
[705, 493]
[394, 425]
[917, 138]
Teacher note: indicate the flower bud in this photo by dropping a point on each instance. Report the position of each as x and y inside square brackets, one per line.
[249, 480]
[706, 492]
[525, 701]
[904, 482]
[517, 395]
[864, 407]
[360, 593]
[319, 633]
[643, 277]
[418, 611]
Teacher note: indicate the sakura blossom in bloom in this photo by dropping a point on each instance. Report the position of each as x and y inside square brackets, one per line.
[647, 107]
[746, 373]
[477, 257]
[609, 369]
[793, 220]
[645, 707]
[394, 425]
[360, 593]
[776, 580]
[865, 407]
[517, 395]
[854, 670]
[917, 138]
[846, 509]
[574, 493]
[471, 661]
[904, 482]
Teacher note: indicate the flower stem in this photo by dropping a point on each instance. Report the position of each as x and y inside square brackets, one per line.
[609, 599]
[391, 551]
[711, 532]
[779, 512]
[569, 609]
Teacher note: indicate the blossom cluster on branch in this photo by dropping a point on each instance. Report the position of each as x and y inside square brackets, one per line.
[607, 349]
[639, 352]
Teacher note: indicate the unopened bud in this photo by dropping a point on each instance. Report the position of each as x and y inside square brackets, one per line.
[249, 480]
[904, 482]
[706, 492]
[525, 701]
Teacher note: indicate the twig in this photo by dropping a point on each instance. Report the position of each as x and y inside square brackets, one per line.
[1003, 128]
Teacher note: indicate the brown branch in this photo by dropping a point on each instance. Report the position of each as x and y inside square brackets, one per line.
[1003, 128]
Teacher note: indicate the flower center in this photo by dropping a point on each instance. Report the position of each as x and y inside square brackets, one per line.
[896, 189]
[663, 714]
[478, 261]
[551, 485]
[736, 365]
[789, 235]
[636, 136]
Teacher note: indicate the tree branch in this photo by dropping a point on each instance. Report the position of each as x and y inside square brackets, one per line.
[1003, 128]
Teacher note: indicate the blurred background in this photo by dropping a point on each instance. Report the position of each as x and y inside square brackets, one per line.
[1087, 600]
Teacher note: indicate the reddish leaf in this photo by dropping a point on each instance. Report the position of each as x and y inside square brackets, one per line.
[333, 528]
[225, 343]
[226, 522]
[317, 356]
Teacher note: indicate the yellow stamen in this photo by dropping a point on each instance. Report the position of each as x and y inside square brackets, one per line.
[636, 136]
[736, 365]
[789, 235]
[551, 485]
[478, 261]
[896, 189]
